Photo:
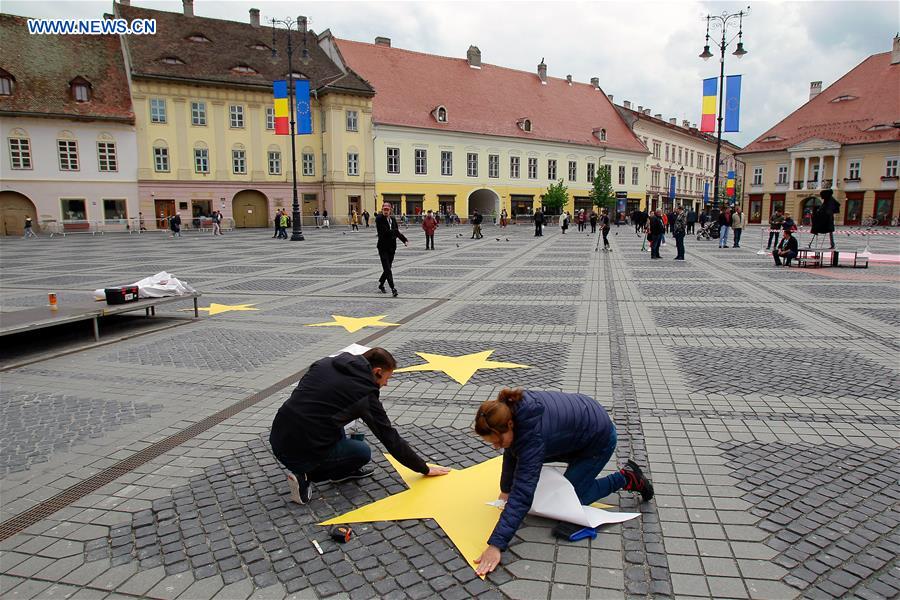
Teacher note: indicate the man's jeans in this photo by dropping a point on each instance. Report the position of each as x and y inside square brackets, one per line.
[737, 237]
[654, 246]
[679, 245]
[773, 235]
[583, 470]
[344, 458]
[723, 236]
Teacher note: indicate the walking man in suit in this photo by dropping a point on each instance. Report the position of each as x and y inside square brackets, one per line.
[388, 234]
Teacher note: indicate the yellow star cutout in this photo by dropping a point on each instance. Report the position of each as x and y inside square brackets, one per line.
[353, 324]
[214, 309]
[458, 502]
[460, 368]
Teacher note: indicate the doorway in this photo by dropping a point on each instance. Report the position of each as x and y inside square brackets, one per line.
[521, 204]
[250, 209]
[354, 203]
[14, 208]
[756, 204]
[853, 213]
[884, 207]
[485, 201]
[164, 210]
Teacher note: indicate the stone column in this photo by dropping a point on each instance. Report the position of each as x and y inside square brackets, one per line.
[834, 172]
[792, 173]
[805, 172]
[821, 175]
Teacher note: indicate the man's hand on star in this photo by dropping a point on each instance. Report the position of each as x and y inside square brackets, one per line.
[437, 471]
[488, 561]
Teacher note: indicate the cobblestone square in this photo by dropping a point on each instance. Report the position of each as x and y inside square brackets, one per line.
[762, 402]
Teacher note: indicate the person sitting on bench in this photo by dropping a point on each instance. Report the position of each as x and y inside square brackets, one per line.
[308, 432]
[787, 249]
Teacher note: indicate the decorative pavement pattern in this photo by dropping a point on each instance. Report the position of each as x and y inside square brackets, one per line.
[762, 402]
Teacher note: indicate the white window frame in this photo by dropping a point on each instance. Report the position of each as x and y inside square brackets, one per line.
[393, 160]
[420, 161]
[654, 178]
[532, 167]
[891, 166]
[494, 166]
[591, 172]
[107, 158]
[353, 164]
[621, 174]
[757, 176]
[158, 111]
[854, 168]
[6, 86]
[447, 163]
[308, 164]
[67, 153]
[551, 169]
[161, 163]
[201, 161]
[238, 161]
[573, 170]
[236, 116]
[782, 175]
[515, 165]
[198, 114]
[274, 161]
[471, 164]
[657, 149]
[81, 92]
[352, 118]
[20, 153]
[270, 118]
[635, 175]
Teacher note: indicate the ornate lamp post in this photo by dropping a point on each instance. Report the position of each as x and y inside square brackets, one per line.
[722, 22]
[298, 25]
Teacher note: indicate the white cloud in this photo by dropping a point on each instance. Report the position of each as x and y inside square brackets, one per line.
[645, 52]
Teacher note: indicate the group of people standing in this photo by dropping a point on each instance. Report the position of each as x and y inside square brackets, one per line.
[657, 225]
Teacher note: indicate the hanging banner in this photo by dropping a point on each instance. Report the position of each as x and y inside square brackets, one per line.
[729, 185]
[705, 193]
[708, 116]
[732, 103]
[672, 188]
[304, 112]
[280, 92]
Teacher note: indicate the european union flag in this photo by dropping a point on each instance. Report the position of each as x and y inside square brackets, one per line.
[304, 110]
[732, 103]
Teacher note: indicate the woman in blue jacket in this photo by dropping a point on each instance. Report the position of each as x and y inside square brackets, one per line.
[534, 428]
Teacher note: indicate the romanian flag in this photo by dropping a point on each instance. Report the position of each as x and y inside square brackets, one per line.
[282, 126]
[729, 185]
[708, 119]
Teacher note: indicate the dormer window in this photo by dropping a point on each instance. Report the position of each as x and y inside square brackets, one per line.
[80, 89]
[7, 83]
[294, 75]
[880, 127]
[198, 38]
[171, 60]
[244, 70]
[773, 138]
[259, 46]
[440, 114]
[525, 125]
[844, 98]
[600, 134]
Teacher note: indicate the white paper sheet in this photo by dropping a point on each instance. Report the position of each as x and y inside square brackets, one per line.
[555, 498]
[352, 349]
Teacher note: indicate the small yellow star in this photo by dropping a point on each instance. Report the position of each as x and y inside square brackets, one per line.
[214, 309]
[460, 368]
[353, 324]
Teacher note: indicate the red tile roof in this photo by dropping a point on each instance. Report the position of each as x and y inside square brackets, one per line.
[630, 115]
[875, 86]
[490, 100]
[230, 44]
[44, 65]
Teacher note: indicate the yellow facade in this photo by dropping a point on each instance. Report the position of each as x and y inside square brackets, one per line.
[871, 191]
[434, 186]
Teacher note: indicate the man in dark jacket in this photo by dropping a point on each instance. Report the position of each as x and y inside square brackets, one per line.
[388, 234]
[786, 250]
[477, 220]
[308, 432]
[679, 226]
[538, 223]
[690, 219]
[657, 229]
[823, 217]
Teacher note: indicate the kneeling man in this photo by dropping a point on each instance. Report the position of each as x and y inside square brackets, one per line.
[308, 432]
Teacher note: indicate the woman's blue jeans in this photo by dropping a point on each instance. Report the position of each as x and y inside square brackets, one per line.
[583, 470]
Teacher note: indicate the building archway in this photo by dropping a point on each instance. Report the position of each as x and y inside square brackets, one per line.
[14, 208]
[808, 208]
[485, 201]
[250, 208]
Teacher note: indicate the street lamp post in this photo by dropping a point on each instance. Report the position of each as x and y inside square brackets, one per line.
[722, 21]
[298, 25]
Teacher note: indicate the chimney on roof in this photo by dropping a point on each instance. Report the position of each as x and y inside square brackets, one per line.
[383, 41]
[647, 111]
[610, 97]
[125, 2]
[473, 56]
[693, 126]
[895, 50]
[542, 72]
[627, 104]
[815, 88]
[658, 115]
[640, 108]
[188, 7]
[685, 123]
[595, 83]
[673, 121]
[569, 79]
[254, 17]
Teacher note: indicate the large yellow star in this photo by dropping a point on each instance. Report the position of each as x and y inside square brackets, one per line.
[458, 502]
[353, 324]
[460, 368]
[214, 309]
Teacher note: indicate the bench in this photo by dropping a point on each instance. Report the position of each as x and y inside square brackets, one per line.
[809, 258]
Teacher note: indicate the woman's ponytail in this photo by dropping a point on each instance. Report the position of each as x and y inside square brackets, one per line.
[494, 416]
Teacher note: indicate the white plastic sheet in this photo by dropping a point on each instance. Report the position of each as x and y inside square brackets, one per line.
[160, 285]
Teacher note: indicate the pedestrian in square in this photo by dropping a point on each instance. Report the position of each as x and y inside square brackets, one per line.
[679, 228]
[316, 217]
[366, 217]
[604, 229]
[326, 224]
[429, 224]
[564, 221]
[786, 251]
[29, 231]
[538, 223]
[737, 225]
[775, 223]
[175, 225]
[354, 221]
[283, 223]
[217, 223]
[655, 230]
[724, 227]
[388, 234]
[593, 221]
[477, 219]
[690, 219]
[277, 221]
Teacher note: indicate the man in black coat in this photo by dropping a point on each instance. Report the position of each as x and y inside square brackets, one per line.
[538, 223]
[691, 218]
[823, 217]
[786, 250]
[657, 229]
[388, 234]
[308, 435]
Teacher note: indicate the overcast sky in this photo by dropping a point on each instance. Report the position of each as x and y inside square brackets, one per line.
[645, 52]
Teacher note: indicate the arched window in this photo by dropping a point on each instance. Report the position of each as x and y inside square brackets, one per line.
[526, 125]
[441, 114]
[602, 135]
[80, 89]
[7, 83]
[243, 70]
[19, 149]
[171, 60]
[198, 38]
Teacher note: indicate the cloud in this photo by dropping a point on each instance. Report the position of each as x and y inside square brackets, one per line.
[645, 52]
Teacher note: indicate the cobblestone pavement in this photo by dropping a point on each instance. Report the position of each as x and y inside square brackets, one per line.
[762, 401]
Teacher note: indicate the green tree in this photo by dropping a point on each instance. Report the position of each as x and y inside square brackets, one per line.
[602, 195]
[556, 198]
